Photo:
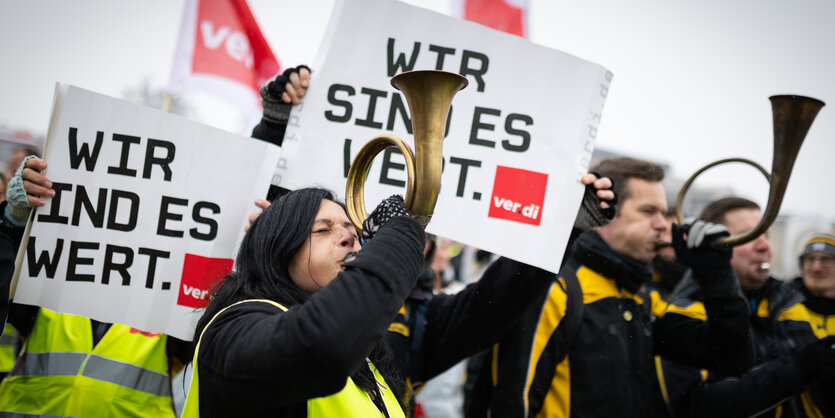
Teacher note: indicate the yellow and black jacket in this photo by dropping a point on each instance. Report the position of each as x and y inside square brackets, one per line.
[431, 333]
[774, 387]
[821, 309]
[607, 368]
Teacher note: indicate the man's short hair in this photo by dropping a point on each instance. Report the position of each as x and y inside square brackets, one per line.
[621, 169]
[29, 151]
[715, 211]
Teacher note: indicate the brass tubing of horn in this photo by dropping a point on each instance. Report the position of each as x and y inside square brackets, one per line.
[358, 173]
[686, 186]
[429, 96]
[793, 116]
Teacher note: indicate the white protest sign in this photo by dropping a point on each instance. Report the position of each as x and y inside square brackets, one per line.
[148, 210]
[520, 135]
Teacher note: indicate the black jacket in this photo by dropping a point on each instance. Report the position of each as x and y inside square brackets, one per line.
[609, 369]
[255, 360]
[316, 361]
[821, 309]
[9, 242]
[780, 328]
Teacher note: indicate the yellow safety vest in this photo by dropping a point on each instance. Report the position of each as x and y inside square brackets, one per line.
[351, 401]
[59, 372]
[7, 343]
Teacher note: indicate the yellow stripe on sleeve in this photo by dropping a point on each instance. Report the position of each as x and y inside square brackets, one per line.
[552, 313]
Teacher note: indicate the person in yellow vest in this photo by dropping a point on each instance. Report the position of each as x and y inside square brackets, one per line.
[291, 331]
[306, 326]
[303, 326]
[76, 366]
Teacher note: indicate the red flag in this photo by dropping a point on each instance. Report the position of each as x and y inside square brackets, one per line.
[222, 50]
[505, 15]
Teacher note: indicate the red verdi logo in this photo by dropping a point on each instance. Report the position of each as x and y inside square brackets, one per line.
[199, 274]
[518, 195]
[229, 44]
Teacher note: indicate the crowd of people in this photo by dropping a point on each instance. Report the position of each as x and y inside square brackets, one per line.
[321, 319]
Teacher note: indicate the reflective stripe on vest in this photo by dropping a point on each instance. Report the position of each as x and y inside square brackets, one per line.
[125, 373]
[51, 364]
[351, 401]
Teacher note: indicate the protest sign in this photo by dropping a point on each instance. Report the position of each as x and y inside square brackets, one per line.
[148, 209]
[519, 137]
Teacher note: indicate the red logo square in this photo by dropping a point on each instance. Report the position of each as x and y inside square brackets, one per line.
[518, 195]
[199, 274]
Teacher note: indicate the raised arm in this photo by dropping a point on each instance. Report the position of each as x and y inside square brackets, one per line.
[310, 350]
[762, 388]
[277, 99]
[712, 334]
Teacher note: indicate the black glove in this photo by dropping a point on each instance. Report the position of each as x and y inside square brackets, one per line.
[817, 359]
[388, 209]
[696, 252]
[275, 110]
[591, 214]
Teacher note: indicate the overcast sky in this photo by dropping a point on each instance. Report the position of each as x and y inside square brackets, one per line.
[692, 78]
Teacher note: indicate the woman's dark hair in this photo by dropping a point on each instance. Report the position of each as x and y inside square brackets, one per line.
[261, 271]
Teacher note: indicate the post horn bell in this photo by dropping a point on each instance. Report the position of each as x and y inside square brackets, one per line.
[793, 116]
[429, 95]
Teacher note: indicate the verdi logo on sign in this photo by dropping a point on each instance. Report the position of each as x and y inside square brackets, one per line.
[199, 275]
[518, 195]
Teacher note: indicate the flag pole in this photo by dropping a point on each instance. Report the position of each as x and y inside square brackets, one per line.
[166, 103]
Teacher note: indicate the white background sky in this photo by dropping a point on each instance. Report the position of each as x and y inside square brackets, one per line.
[692, 78]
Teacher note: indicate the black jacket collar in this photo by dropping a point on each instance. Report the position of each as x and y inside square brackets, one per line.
[593, 252]
[817, 304]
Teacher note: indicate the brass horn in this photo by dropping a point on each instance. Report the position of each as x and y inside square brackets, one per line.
[793, 115]
[429, 95]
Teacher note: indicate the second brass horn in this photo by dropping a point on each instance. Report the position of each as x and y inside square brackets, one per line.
[429, 94]
[793, 115]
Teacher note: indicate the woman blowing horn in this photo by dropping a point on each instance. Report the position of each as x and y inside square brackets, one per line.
[309, 325]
